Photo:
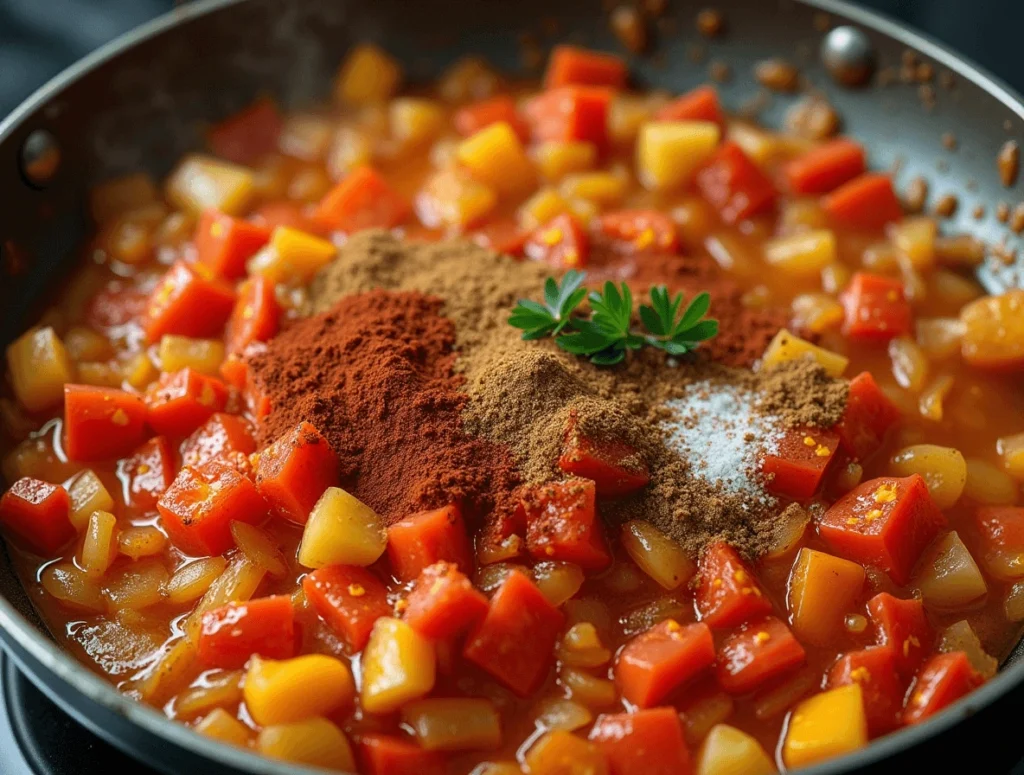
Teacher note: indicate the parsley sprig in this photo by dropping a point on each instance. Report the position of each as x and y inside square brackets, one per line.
[607, 335]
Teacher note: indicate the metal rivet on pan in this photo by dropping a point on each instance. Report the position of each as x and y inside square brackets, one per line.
[40, 158]
[849, 55]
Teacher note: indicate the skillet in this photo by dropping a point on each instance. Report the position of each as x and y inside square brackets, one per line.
[142, 101]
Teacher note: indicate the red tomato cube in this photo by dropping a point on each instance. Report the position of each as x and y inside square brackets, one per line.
[188, 301]
[941, 681]
[390, 755]
[198, 508]
[638, 233]
[760, 651]
[571, 113]
[561, 242]
[182, 401]
[876, 308]
[826, 167]
[649, 741]
[614, 467]
[101, 423]
[701, 104]
[734, 185]
[867, 203]
[38, 513]
[231, 634]
[248, 135]
[903, 626]
[575, 66]
[444, 603]
[147, 473]
[423, 539]
[867, 418]
[874, 669]
[562, 524]
[225, 243]
[472, 118]
[656, 662]
[350, 599]
[362, 200]
[727, 592]
[515, 640]
[255, 316]
[224, 437]
[796, 468]
[886, 522]
[294, 471]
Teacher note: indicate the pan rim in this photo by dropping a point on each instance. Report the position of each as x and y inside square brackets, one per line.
[59, 663]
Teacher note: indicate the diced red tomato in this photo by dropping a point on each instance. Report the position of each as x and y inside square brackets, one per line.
[758, 652]
[562, 524]
[648, 742]
[886, 522]
[614, 467]
[502, 236]
[903, 626]
[148, 473]
[874, 670]
[198, 508]
[183, 400]
[293, 472]
[224, 243]
[867, 202]
[868, 416]
[561, 242]
[727, 592]
[942, 680]
[876, 308]
[234, 632]
[514, 642]
[701, 104]
[38, 513]
[470, 119]
[796, 469]
[224, 437]
[350, 599]
[734, 185]
[390, 755]
[255, 316]
[188, 301]
[638, 232]
[249, 134]
[656, 662]
[101, 423]
[575, 66]
[270, 215]
[419, 541]
[444, 603]
[571, 113]
[362, 200]
[116, 305]
[826, 167]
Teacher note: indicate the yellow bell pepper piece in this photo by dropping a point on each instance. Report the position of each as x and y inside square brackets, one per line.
[556, 159]
[804, 254]
[604, 189]
[181, 352]
[39, 366]
[341, 530]
[787, 347]
[541, 208]
[822, 590]
[728, 751]
[201, 182]
[293, 256]
[415, 122]
[222, 726]
[668, 153]
[398, 666]
[827, 725]
[368, 75]
[562, 753]
[496, 158]
[313, 741]
[451, 197]
[281, 692]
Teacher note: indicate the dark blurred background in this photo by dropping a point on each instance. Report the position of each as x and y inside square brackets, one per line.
[38, 38]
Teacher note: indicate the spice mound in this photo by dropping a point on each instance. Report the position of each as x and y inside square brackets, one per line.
[375, 375]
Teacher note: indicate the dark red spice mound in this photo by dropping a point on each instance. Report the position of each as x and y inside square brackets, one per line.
[374, 375]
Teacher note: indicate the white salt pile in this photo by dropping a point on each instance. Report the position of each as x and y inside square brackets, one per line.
[720, 431]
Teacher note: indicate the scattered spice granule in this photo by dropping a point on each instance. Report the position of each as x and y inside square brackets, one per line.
[908, 57]
[1003, 212]
[1008, 162]
[947, 205]
[925, 72]
[949, 141]
[710, 429]
[710, 23]
[978, 212]
[813, 118]
[629, 27]
[926, 93]
[720, 72]
[916, 195]
[1017, 218]
[777, 74]
[1003, 253]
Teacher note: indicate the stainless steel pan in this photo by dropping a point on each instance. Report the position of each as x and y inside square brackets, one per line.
[142, 101]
